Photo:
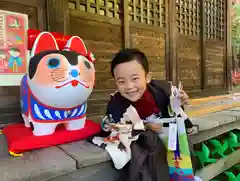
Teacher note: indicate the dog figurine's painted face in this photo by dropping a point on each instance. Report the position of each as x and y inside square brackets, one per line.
[60, 78]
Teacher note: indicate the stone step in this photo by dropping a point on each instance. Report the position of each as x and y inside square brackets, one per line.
[98, 172]
[208, 107]
[39, 165]
[79, 160]
[198, 101]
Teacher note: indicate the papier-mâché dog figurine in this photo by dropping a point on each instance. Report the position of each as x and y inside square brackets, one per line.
[57, 85]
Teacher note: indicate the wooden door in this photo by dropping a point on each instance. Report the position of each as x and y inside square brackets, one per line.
[201, 45]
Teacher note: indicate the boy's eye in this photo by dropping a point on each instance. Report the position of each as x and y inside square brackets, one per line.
[135, 78]
[121, 82]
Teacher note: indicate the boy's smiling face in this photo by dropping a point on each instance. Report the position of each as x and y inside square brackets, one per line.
[131, 80]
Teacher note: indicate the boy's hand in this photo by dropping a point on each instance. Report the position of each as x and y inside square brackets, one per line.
[113, 127]
[156, 127]
[184, 98]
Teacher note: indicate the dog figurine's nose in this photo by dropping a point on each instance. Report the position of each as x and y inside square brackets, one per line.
[74, 73]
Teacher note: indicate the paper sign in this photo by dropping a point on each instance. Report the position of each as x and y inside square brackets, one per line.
[13, 47]
[172, 139]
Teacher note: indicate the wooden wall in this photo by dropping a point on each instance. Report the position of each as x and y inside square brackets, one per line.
[201, 45]
[215, 64]
[189, 62]
[152, 43]
[103, 38]
[101, 27]
[184, 40]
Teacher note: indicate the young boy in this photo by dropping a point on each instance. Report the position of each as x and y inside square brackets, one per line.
[130, 70]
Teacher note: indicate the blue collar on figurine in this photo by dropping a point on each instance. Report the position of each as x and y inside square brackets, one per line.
[42, 112]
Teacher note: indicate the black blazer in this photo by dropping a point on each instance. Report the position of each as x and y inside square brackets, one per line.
[160, 91]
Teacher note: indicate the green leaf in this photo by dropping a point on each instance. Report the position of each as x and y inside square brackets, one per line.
[233, 141]
[219, 148]
[231, 176]
[204, 155]
[238, 177]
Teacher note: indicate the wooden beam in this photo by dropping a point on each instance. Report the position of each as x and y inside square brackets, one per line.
[126, 25]
[92, 17]
[228, 37]
[58, 16]
[106, 7]
[209, 172]
[167, 52]
[203, 45]
[141, 10]
[77, 4]
[172, 39]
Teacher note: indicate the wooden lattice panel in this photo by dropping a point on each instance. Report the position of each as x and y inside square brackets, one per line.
[188, 17]
[215, 12]
[109, 8]
[152, 12]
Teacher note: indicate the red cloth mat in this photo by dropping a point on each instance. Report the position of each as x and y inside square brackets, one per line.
[21, 139]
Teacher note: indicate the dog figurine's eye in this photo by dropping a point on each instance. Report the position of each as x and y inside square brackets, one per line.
[87, 64]
[53, 63]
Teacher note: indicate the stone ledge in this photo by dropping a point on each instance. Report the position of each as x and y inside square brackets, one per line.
[235, 109]
[232, 112]
[214, 124]
[210, 133]
[216, 119]
[51, 163]
[198, 111]
[39, 165]
[3, 146]
[99, 172]
[85, 153]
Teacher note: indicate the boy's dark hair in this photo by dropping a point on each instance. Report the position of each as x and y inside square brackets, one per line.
[127, 55]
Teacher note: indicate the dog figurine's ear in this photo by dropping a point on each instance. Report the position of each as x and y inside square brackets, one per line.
[75, 43]
[44, 42]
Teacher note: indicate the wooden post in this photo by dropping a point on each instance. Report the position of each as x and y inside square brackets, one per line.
[172, 40]
[204, 76]
[58, 16]
[167, 64]
[126, 25]
[234, 58]
[228, 41]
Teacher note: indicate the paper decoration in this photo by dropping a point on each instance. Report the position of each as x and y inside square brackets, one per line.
[179, 160]
[13, 47]
[120, 139]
